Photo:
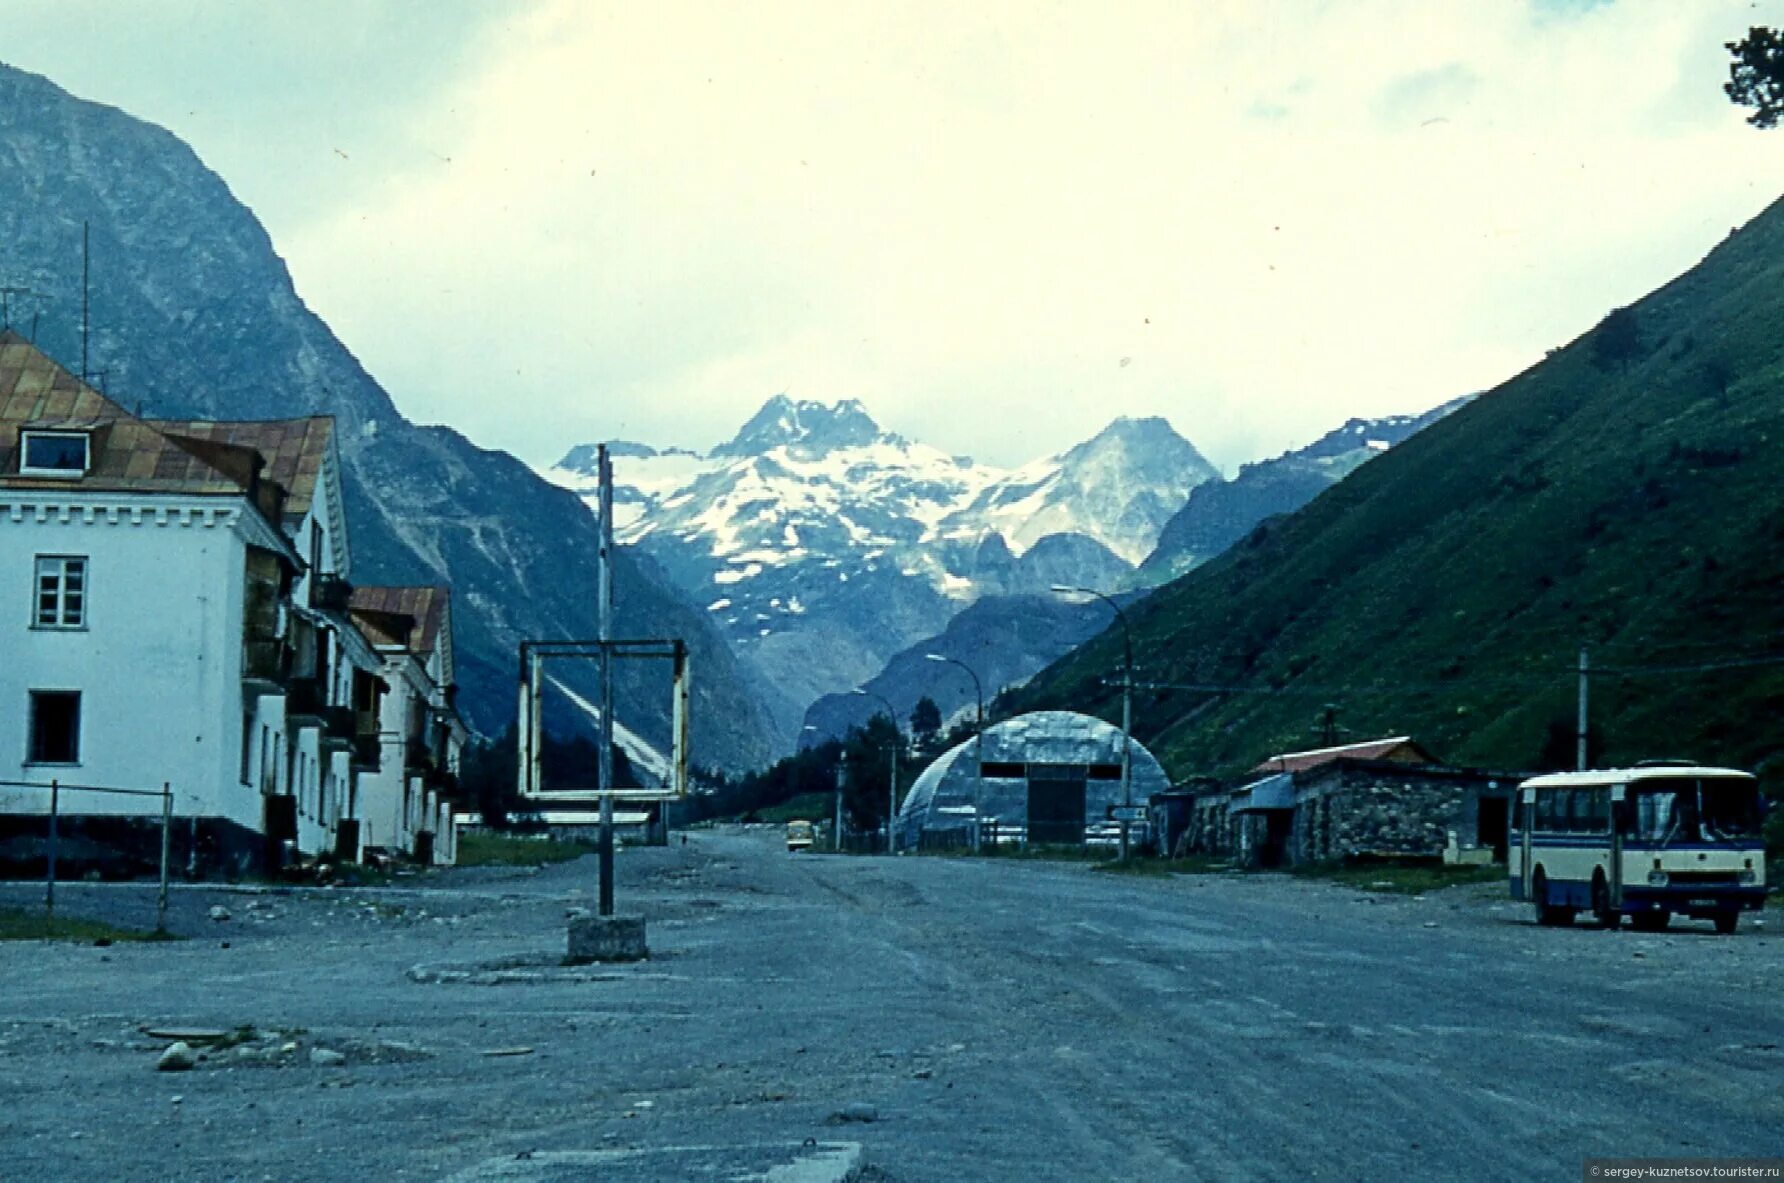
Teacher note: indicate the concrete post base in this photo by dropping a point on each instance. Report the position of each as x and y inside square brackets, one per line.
[606, 938]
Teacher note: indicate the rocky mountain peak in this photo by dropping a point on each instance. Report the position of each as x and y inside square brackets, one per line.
[1148, 442]
[813, 426]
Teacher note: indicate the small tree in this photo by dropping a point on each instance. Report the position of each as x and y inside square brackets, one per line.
[926, 722]
[867, 764]
[1756, 76]
[1617, 340]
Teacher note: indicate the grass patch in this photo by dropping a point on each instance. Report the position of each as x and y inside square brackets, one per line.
[1401, 878]
[20, 924]
[514, 850]
[1163, 868]
[811, 807]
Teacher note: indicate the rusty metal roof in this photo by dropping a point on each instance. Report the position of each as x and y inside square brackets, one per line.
[1400, 747]
[134, 455]
[406, 616]
[293, 449]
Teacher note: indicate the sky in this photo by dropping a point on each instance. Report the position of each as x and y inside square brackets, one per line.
[998, 225]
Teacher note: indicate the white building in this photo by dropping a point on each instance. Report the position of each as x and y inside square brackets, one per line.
[408, 804]
[181, 619]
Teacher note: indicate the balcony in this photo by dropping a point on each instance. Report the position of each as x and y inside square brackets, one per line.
[266, 665]
[340, 726]
[331, 593]
[305, 701]
[368, 752]
[368, 744]
[445, 784]
[418, 756]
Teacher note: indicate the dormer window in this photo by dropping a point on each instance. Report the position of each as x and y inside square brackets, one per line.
[54, 453]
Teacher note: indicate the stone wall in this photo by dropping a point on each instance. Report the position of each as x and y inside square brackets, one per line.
[1210, 828]
[1353, 807]
[1349, 808]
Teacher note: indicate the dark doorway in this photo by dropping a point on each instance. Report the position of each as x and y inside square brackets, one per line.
[1492, 826]
[1279, 827]
[1055, 806]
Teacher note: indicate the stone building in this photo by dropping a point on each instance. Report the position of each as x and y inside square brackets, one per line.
[1382, 798]
[1349, 807]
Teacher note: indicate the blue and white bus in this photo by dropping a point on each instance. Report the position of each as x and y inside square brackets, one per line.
[1648, 842]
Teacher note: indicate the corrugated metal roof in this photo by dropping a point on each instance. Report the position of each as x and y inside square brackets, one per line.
[293, 449]
[381, 613]
[1400, 747]
[134, 455]
[1272, 792]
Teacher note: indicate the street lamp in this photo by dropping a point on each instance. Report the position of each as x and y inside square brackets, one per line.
[897, 741]
[978, 740]
[1127, 702]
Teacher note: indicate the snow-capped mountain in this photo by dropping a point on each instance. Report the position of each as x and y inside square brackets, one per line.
[822, 544]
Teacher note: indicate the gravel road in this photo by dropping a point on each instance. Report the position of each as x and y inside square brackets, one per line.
[945, 1018]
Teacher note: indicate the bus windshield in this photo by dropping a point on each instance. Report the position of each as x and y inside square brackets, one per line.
[1693, 810]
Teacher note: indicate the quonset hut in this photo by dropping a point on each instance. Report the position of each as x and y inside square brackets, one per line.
[1048, 777]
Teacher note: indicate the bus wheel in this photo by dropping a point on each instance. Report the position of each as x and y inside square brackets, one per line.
[1602, 912]
[1727, 922]
[1547, 913]
[1651, 921]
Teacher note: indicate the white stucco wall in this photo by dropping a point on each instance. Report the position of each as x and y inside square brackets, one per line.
[158, 662]
[385, 814]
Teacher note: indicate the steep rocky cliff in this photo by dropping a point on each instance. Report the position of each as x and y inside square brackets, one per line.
[194, 314]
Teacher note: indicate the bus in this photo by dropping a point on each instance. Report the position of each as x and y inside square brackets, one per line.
[1648, 842]
[800, 835]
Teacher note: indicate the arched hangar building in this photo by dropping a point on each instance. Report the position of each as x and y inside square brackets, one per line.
[1049, 777]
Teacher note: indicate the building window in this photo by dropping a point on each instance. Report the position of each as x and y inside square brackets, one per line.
[55, 727]
[61, 592]
[53, 453]
[247, 746]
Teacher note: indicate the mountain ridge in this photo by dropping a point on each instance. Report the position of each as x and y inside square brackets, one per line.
[1621, 494]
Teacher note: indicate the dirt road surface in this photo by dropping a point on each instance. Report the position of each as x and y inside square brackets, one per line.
[933, 1018]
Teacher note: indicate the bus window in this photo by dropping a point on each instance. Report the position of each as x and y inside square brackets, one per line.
[1598, 810]
[1729, 809]
[1656, 814]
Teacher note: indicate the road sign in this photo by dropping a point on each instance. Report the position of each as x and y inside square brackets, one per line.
[1127, 813]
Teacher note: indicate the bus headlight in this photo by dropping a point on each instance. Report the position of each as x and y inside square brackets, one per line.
[1747, 879]
[1658, 879]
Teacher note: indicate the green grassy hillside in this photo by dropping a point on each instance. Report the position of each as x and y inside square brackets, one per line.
[1627, 493]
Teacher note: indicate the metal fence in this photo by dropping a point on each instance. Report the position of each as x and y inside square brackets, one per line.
[56, 790]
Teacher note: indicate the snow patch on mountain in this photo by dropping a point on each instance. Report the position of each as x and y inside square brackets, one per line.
[813, 522]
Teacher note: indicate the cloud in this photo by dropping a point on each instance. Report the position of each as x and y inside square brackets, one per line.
[584, 221]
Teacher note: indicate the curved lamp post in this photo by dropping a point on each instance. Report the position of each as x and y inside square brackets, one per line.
[892, 806]
[1127, 701]
[978, 739]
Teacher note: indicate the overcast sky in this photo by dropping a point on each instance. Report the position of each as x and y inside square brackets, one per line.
[998, 225]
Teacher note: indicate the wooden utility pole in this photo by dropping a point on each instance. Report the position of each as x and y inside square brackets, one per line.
[86, 318]
[604, 758]
[836, 831]
[1583, 732]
